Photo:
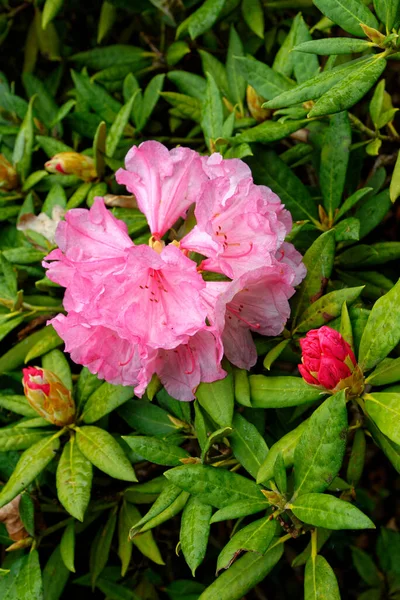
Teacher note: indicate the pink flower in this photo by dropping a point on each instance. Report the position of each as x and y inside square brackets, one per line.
[182, 369]
[288, 254]
[104, 352]
[237, 230]
[165, 182]
[327, 358]
[257, 301]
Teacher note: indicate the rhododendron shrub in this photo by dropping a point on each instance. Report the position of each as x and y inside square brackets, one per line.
[199, 300]
[163, 317]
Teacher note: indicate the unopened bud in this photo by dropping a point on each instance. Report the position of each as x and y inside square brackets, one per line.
[329, 362]
[47, 394]
[8, 175]
[254, 103]
[374, 35]
[72, 163]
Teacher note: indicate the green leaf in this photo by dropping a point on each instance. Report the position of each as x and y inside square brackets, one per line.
[101, 546]
[214, 486]
[348, 229]
[175, 52]
[384, 410]
[322, 537]
[248, 446]
[388, 12]
[55, 576]
[110, 56]
[395, 181]
[104, 452]
[108, 14]
[236, 82]
[96, 96]
[390, 449]
[210, 64]
[268, 169]
[212, 118]
[318, 261]
[255, 537]
[320, 451]
[317, 86]
[349, 14]
[105, 399]
[284, 59]
[18, 438]
[242, 387]
[236, 510]
[31, 463]
[195, 529]
[150, 98]
[352, 87]
[22, 153]
[382, 332]
[48, 341]
[27, 513]
[45, 106]
[243, 575]
[86, 386]
[67, 547]
[187, 106]
[29, 585]
[267, 82]
[117, 128]
[56, 362]
[334, 160]
[74, 480]
[50, 10]
[366, 567]
[268, 131]
[333, 46]
[387, 371]
[217, 399]
[320, 582]
[155, 450]
[189, 83]
[327, 308]
[305, 67]
[147, 418]
[202, 19]
[285, 446]
[253, 14]
[355, 466]
[281, 391]
[322, 510]
[99, 152]
[280, 477]
[18, 404]
[168, 496]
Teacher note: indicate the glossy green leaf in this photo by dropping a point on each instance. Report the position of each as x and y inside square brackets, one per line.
[253, 14]
[268, 131]
[169, 496]
[366, 567]
[388, 12]
[17, 404]
[101, 546]
[382, 332]
[352, 87]
[242, 386]
[327, 308]
[236, 82]
[214, 486]
[74, 480]
[395, 181]
[268, 169]
[320, 451]
[67, 547]
[195, 529]
[217, 399]
[19, 438]
[387, 371]
[334, 160]
[105, 399]
[267, 82]
[108, 14]
[29, 585]
[86, 386]
[248, 446]
[101, 449]
[255, 537]
[349, 14]
[31, 463]
[212, 113]
[305, 67]
[156, 451]
[281, 391]
[318, 260]
[117, 128]
[47, 341]
[334, 46]
[243, 575]
[56, 362]
[22, 153]
[322, 536]
[202, 19]
[27, 513]
[320, 581]
[239, 509]
[55, 576]
[384, 410]
[323, 510]
[285, 446]
[147, 418]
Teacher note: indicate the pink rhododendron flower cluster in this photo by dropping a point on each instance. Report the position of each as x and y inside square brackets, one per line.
[136, 310]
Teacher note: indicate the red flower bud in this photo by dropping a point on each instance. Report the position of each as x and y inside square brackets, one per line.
[47, 394]
[329, 362]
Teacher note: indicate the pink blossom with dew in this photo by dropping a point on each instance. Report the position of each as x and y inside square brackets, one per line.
[256, 301]
[165, 182]
[237, 232]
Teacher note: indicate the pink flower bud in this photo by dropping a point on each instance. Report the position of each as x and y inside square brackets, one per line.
[329, 362]
[47, 394]
[72, 163]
